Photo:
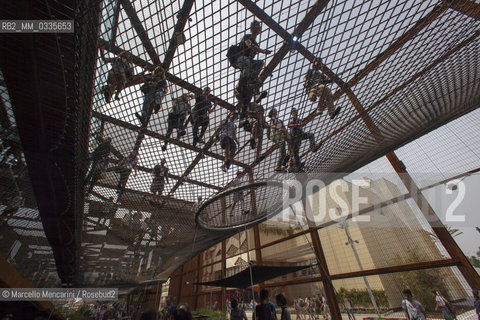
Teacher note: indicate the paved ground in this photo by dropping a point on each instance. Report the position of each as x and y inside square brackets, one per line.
[470, 315]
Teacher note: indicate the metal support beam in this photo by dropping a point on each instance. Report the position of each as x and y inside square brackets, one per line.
[442, 233]
[407, 36]
[323, 267]
[467, 7]
[309, 18]
[182, 17]
[170, 77]
[260, 14]
[158, 136]
[142, 34]
[372, 272]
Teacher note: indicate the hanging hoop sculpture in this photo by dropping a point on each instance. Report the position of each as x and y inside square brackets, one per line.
[242, 206]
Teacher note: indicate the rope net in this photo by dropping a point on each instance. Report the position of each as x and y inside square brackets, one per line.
[398, 70]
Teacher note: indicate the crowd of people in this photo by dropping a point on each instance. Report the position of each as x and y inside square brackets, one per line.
[250, 112]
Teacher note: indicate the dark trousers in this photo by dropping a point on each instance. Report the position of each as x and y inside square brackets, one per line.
[296, 143]
[175, 122]
[195, 126]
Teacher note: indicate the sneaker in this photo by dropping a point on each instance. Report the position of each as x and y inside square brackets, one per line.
[315, 148]
[337, 111]
[105, 94]
[261, 96]
[224, 167]
[278, 169]
[164, 147]
[156, 108]
[181, 134]
[227, 164]
[200, 140]
[140, 118]
[253, 144]
[285, 160]
[195, 141]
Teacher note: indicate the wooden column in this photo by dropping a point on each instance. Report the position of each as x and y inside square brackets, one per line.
[442, 233]
[180, 284]
[323, 267]
[256, 231]
[198, 279]
[224, 271]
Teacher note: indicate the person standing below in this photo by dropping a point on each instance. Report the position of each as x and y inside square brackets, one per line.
[266, 309]
[413, 309]
[200, 111]
[237, 313]
[442, 303]
[325, 309]
[177, 116]
[315, 86]
[228, 139]
[155, 88]
[476, 303]
[348, 307]
[298, 308]
[282, 303]
[171, 308]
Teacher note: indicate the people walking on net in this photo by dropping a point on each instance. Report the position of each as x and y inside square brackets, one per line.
[159, 177]
[315, 86]
[124, 168]
[99, 162]
[177, 116]
[279, 136]
[256, 119]
[154, 89]
[242, 56]
[200, 117]
[121, 71]
[297, 135]
[228, 139]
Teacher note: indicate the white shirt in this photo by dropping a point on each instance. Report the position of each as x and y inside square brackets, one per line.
[414, 309]
[440, 301]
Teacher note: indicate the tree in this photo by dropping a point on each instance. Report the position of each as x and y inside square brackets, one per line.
[420, 282]
[475, 260]
[453, 232]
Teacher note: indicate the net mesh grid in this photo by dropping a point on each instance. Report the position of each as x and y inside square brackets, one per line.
[347, 35]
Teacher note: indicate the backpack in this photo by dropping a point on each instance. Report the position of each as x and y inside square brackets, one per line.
[232, 55]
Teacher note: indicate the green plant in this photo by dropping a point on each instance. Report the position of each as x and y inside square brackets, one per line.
[420, 282]
[214, 315]
[361, 298]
